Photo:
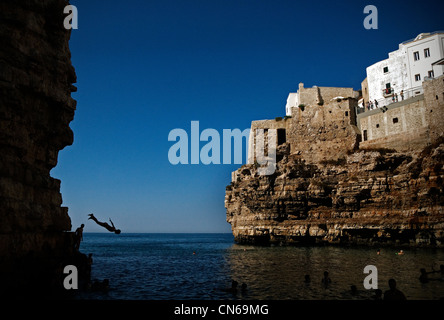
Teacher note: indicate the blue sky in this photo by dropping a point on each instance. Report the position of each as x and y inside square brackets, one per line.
[146, 67]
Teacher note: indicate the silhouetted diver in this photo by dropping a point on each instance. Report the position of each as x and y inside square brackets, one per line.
[105, 225]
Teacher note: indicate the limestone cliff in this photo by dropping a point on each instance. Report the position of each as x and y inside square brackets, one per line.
[36, 108]
[368, 197]
[327, 189]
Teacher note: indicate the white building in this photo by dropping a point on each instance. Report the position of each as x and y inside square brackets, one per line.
[292, 101]
[406, 68]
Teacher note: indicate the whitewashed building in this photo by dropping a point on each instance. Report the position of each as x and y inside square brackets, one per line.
[401, 75]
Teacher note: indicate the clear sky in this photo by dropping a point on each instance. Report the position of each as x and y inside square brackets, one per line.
[146, 67]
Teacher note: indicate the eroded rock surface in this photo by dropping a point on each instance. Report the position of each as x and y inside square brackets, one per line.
[367, 197]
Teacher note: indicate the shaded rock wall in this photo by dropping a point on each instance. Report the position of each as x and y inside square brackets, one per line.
[36, 108]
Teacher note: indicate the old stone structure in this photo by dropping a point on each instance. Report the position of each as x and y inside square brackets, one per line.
[35, 111]
[322, 133]
[406, 125]
[316, 96]
[434, 106]
[402, 126]
[317, 132]
[329, 186]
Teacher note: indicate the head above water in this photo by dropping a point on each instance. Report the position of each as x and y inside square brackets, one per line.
[392, 284]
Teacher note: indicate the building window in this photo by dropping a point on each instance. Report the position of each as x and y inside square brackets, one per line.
[386, 69]
[431, 75]
[377, 125]
[346, 113]
[365, 135]
[395, 120]
[427, 52]
[417, 77]
[416, 55]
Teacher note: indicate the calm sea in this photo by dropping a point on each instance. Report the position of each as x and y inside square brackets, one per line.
[202, 266]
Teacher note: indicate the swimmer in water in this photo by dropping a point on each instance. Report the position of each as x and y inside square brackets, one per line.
[326, 279]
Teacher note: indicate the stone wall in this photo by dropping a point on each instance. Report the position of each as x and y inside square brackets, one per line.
[320, 95]
[265, 125]
[364, 89]
[318, 132]
[406, 125]
[316, 96]
[327, 132]
[434, 106]
[309, 96]
[36, 108]
[329, 93]
[402, 127]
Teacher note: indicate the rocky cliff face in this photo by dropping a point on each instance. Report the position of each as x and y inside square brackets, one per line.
[35, 111]
[366, 197]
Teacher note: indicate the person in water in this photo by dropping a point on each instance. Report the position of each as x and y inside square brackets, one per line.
[108, 227]
[326, 279]
[393, 293]
[424, 278]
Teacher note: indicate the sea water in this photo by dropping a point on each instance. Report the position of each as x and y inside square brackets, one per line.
[151, 266]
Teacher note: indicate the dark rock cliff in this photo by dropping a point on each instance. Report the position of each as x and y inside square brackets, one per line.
[36, 108]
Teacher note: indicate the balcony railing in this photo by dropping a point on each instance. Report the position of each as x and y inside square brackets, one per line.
[390, 96]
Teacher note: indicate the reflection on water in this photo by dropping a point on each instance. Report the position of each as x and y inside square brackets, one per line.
[278, 272]
[202, 266]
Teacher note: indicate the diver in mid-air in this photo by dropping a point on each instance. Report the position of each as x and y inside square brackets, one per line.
[108, 227]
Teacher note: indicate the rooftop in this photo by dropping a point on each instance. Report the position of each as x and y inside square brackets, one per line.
[422, 36]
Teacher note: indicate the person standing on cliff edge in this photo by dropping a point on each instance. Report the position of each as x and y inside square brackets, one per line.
[78, 237]
[108, 227]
